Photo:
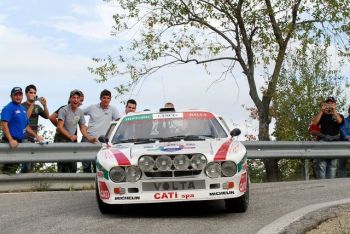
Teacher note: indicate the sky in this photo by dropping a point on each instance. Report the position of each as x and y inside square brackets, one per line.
[51, 43]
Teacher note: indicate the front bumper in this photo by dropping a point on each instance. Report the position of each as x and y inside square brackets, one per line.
[172, 190]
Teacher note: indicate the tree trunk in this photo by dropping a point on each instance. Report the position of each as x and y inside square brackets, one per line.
[271, 165]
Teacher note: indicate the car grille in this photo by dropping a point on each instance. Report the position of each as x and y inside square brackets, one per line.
[172, 173]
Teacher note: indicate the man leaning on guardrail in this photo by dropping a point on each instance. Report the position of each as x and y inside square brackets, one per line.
[329, 121]
[15, 125]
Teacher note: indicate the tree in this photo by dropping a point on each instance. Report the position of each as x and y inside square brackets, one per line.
[239, 34]
[307, 79]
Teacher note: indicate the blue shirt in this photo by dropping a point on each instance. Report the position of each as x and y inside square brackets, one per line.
[16, 117]
[345, 129]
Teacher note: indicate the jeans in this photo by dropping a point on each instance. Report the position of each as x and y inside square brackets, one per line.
[325, 168]
[342, 167]
[87, 167]
[27, 168]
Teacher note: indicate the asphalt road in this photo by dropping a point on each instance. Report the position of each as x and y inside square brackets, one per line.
[77, 212]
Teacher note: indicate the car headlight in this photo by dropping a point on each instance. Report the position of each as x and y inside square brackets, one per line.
[198, 161]
[146, 163]
[213, 170]
[228, 168]
[117, 174]
[163, 163]
[132, 174]
[181, 162]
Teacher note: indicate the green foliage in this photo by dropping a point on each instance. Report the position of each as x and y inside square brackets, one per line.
[256, 170]
[169, 32]
[306, 80]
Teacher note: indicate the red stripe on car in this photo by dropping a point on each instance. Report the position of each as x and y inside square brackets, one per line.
[121, 158]
[222, 152]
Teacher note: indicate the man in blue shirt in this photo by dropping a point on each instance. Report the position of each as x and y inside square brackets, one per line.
[345, 136]
[15, 124]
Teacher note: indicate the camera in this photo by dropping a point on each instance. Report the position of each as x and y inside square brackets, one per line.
[328, 108]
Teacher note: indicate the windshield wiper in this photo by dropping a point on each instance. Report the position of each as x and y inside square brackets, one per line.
[187, 138]
[138, 140]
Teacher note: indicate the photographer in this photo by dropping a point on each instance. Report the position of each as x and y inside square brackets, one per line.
[33, 111]
[329, 121]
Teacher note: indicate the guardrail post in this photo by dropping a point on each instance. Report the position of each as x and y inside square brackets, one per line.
[306, 169]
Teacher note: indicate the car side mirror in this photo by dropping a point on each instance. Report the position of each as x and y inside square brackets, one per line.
[235, 132]
[103, 139]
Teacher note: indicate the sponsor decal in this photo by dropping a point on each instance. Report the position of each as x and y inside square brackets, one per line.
[187, 196]
[172, 195]
[137, 118]
[198, 115]
[179, 185]
[128, 198]
[103, 170]
[104, 193]
[121, 158]
[243, 183]
[99, 173]
[221, 193]
[167, 195]
[171, 148]
[235, 148]
[168, 116]
[222, 151]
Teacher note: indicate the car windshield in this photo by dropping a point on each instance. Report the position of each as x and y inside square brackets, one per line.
[168, 126]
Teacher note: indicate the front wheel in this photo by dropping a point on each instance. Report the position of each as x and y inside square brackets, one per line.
[239, 204]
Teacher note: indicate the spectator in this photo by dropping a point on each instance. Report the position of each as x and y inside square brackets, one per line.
[15, 125]
[130, 106]
[33, 111]
[344, 136]
[169, 105]
[101, 115]
[54, 115]
[69, 117]
[329, 121]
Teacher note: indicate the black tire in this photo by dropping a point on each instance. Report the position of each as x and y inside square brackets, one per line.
[239, 204]
[107, 208]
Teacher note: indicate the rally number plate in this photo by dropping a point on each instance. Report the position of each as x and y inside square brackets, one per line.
[173, 185]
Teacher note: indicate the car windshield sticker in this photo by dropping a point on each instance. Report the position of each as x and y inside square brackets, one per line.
[168, 116]
[137, 118]
[184, 115]
[198, 115]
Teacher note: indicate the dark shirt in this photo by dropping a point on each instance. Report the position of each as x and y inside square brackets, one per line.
[329, 125]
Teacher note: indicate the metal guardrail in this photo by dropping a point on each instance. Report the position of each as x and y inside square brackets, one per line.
[68, 152]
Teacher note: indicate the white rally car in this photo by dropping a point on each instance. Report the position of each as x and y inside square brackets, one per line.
[169, 156]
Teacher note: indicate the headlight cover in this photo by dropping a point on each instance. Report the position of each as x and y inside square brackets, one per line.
[213, 170]
[163, 163]
[146, 163]
[198, 161]
[181, 162]
[228, 168]
[117, 174]
[132, 174]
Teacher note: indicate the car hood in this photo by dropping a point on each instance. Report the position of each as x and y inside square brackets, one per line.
[213, 149]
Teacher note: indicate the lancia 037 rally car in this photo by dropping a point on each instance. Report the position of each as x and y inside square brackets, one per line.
[152, 157]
